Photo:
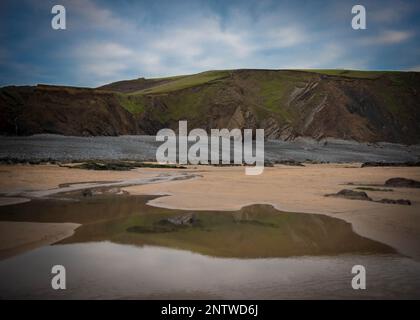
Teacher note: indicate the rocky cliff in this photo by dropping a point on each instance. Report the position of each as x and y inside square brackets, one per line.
[363, 106]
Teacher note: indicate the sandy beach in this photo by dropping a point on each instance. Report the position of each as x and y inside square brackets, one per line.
[287, 188]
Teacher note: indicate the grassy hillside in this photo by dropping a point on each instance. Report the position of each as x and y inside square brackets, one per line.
[346, 104]
[349, 73]
[183, 82]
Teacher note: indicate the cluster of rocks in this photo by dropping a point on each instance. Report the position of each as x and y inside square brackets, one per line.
[350, 194]
[188, 219]
[120, 165]
[391, 164]
[293, 163]
[398, 201]
[171, 224]
[360, 195]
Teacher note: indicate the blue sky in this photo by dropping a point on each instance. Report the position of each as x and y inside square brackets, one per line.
[107, 41]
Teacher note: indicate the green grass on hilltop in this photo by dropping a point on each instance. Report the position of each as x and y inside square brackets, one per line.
[183, 82]
[348, 73]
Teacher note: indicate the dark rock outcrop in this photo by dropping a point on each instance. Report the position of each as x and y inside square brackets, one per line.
[398, 201]
[350, 194]
[183, 220]
[391, 164]
[360, 195]
[402, 183]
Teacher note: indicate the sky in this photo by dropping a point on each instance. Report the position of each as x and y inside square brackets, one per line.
[108, 40]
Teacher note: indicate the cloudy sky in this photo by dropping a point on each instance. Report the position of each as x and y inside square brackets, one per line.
[106, 41]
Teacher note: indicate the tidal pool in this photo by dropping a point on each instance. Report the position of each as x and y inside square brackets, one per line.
[257, 231]
[127, 249]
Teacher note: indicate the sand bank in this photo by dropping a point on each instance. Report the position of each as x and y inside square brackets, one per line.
[18, 237]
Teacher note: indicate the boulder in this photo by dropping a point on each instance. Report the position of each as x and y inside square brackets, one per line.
[183, 220]
[351, 194]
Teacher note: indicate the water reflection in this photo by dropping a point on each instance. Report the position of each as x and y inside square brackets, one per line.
[255, 231]
[125, 249]
[112, 271]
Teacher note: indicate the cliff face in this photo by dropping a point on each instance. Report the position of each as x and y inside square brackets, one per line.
[288, 104]
[364, 106]
[61, 110]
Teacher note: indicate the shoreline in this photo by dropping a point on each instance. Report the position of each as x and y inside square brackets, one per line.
[20, 237]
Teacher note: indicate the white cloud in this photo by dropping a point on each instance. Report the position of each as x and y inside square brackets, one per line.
[103, 51]
[199, 42]
[388, 37]
[191, 41]
[392, 37]
[282, 37]
[89, 15]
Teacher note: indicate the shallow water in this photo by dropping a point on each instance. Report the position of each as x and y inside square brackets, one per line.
[252, 232]
[253, 253]
[104, 270]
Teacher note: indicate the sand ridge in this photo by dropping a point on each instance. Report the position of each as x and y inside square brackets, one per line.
[18, 237]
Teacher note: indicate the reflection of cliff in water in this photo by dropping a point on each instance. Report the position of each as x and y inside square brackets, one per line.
[253, 232]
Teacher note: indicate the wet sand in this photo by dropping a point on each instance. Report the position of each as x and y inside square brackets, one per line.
[291, 189]
[18, 237]
[19, 179]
